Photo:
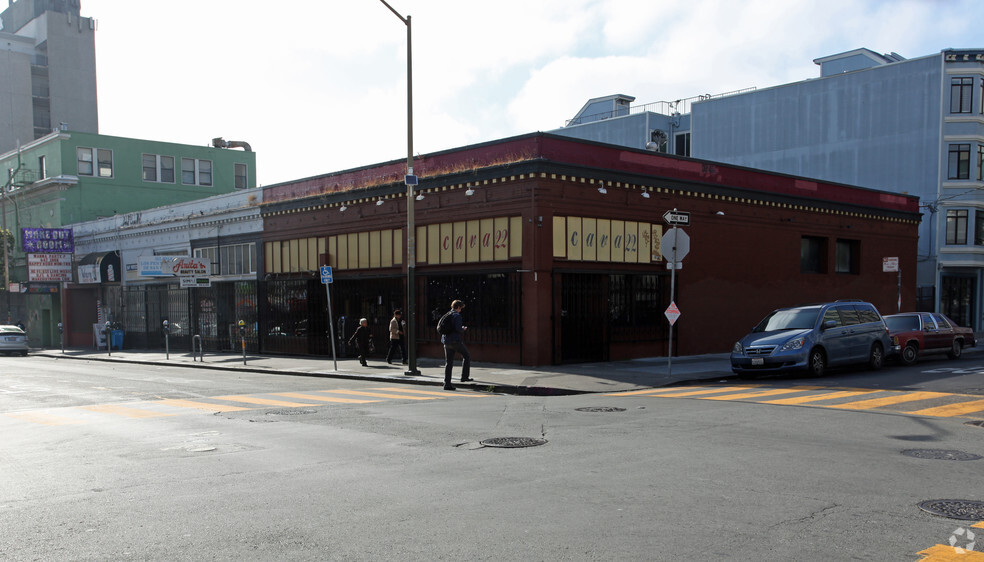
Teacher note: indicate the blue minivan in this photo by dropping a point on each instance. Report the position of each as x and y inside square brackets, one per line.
[814, 337]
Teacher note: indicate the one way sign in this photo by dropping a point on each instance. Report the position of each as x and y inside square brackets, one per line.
[676, 218]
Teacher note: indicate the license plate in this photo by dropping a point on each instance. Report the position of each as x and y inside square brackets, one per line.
[11, 338]
[758, 361]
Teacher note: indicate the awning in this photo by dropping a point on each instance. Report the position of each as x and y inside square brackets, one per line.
[99, 267]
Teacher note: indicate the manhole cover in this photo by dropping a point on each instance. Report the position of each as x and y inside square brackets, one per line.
[512, 442]
[966, 510]
[978, 423]
[940, 454]
[600, 409]
[290, 412]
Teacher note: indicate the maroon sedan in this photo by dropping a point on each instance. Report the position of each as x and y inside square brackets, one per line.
[916, 333]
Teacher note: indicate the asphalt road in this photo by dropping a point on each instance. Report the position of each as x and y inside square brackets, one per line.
[119, 462]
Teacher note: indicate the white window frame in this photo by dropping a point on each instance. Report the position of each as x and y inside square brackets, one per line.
[158, 167]
[79, 152]
[99, 162]
[225, 256]
[198, 172]
[236, 175]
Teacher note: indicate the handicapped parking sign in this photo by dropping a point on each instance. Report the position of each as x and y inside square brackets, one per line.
[326, 274]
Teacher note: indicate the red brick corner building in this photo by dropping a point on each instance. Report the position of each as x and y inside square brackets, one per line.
[554, 243]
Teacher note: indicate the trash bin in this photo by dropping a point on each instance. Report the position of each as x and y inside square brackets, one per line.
[116, 339]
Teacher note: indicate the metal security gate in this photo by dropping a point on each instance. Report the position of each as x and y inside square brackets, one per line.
[583, 325]
[217, 311]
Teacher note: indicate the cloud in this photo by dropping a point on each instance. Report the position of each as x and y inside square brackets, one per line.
[320, 86]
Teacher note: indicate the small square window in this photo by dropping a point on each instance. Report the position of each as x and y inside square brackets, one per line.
[149, 166]
[188, 171]
[240, 170]
[848, 258]
[84, 156]
[167, 169]
[105, 162]
[813, 254]
[204, 172]
[956, 226]
[958, 167]
[961, 94]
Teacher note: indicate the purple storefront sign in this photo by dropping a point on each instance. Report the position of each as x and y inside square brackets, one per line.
[48, 240]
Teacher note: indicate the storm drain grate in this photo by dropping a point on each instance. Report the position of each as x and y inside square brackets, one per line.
[940, 454]
[966, 510]
[290, 412]
[978, 423]
[600, 409]
[513, 442]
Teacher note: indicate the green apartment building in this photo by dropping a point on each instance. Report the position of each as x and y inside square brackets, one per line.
[68, 177]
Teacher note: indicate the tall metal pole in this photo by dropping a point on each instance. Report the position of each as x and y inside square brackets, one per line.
[411, 229]
[669, 354]
[331, 326]
[7, 249]
[6, 253]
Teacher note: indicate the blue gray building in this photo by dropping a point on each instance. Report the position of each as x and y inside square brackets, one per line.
[912, 126]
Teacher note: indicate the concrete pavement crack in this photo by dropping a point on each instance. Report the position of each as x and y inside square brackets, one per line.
[818, 514]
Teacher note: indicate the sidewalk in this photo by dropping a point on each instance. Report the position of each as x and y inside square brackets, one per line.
[580, 378]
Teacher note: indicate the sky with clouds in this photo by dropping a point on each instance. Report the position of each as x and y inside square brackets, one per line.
[317, 86]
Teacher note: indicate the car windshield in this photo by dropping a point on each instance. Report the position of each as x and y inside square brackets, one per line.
[11, 330]
[789, 319]
[902, 323]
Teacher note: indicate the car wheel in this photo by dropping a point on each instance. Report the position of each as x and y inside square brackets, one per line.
[877, 358]
[910, 353]
[817, 363]
[956, 350]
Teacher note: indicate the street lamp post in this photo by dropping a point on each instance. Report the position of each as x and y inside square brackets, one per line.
[411, 181]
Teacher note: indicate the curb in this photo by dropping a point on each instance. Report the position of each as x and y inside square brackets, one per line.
[492, 388]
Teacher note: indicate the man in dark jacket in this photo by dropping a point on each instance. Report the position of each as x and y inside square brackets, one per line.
[453, 344]
[361, 340]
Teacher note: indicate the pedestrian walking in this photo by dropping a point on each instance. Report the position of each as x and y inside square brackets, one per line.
[361, 338]
[396, 328]
[451, 337]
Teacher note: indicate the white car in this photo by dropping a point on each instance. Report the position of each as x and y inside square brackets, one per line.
[13, 340]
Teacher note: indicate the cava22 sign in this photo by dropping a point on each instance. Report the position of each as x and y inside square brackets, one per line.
[605, 240]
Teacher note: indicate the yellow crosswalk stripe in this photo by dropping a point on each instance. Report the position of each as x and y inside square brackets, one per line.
[702, 392]
[887, 401]
[379, 394]
[324, 398]
[760, 393]
[651, 391]
[43, 418]
[946, 553]
[818, 397]
[950, 410]
[445, 394]
[126, 411]
[179, 403]
[261, 401]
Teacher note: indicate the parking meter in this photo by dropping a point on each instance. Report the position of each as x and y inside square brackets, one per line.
[242, 337]
[61, 336]
[167, 340]
[107, 331]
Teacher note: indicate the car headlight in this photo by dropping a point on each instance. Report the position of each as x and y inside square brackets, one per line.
[737, 348]
[796, 343]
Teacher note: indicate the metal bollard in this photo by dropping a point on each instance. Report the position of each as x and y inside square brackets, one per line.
[61, 336]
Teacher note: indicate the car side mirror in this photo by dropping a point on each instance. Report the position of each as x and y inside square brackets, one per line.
[829, 324]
